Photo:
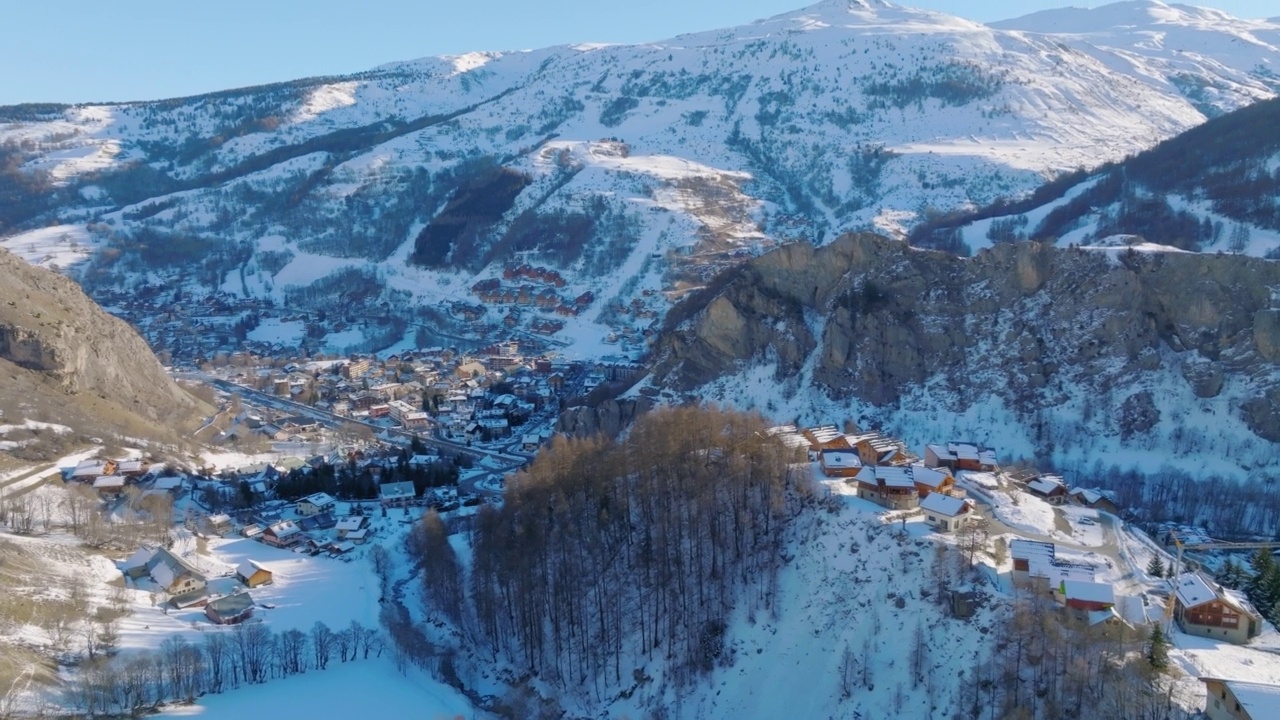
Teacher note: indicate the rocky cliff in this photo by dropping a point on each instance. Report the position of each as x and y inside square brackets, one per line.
[63, 359]
[1065, 352]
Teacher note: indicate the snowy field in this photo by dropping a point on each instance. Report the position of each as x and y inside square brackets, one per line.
[360, 689]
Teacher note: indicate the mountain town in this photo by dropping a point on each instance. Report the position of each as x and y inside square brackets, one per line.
[859, 361]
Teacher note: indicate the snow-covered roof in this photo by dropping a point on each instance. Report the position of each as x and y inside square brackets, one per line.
[219, 519]
[319, 499]
[109, 481]
[928, 476]
[824, 434]
[247, 568]
[1059, 572]
[1260, 700]
[139, 558]
[1044, 485]
[358, 534]
[126, 466]
[943, 504]
[350, 523]
[1193, 590]
[841, 459]
[1022, 549]
[284, 528]
[1088, 591]
[167, 483]
[396, 490]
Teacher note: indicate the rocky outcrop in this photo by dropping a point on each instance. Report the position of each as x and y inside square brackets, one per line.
[610, 417]
[1036, 326]
[48, 326]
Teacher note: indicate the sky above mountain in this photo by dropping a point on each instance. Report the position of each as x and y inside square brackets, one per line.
[92, 51]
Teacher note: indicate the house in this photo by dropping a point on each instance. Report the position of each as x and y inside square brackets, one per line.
[358, 536]
[839, 463]
[1088, 601]
[109, 485]
[131, 468]
[892, 487]
[252, 574]
[1096, 499]
[932, 481]
[315, 504]
[1204, 608]
[283, 533]
[396, 494]
[230, 609]
[1240, 699]
[531, 443]
[1036, 559]
[961, 456]
[946, 513]
[348, 525]
[90, 469]
[251, 530]
[1048, 488]
[218, 524]
[171, 573]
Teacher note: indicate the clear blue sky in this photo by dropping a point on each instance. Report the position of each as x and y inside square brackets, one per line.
[94, 50]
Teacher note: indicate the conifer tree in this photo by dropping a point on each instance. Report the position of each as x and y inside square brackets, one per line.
[1155, 568]
[1158, 648]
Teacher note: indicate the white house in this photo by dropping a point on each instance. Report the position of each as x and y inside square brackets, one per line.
[316, 504]
[946, 513]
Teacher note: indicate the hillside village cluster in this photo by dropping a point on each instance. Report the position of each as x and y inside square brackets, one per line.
[950, 488]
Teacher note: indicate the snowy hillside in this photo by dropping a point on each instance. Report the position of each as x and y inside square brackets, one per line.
[650, 165]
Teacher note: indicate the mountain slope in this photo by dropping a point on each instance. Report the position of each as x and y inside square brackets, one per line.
[1210, 189]
[1137, 359]
[66, 362]
[651, 165]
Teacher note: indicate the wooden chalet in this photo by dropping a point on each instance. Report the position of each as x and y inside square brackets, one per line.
[958, 456]
[230, 609]
[282, 534]
[1204, 608]
[891, 487]
[253, 574]
[1096, 499]
[839, 462]
[1049, 488]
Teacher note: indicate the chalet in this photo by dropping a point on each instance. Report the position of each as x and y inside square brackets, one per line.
[218, 524]
[284, 533]
[230, 609]
[876, 449]
[1204, 608]
[172, 485]
[251, 530]
[1240, 699]
[1096, 499]
[957, 456]
[252, 574]
[823, 437]
[946, 513]
[171, 573]
[131, 468]
[891, 487]
[358, 536]
[109, 485]
[1048, 488]
[396, 494]
[1036, 559]
[91, 469]
[1092, 602]
[932, 481]
[350, 524]
[316, 504]
[839, 463]
[422, 461]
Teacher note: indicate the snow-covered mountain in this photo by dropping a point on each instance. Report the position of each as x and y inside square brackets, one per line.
[637, 171]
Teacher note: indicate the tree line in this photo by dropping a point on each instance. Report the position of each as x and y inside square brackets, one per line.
[180, 671]
[611, 551]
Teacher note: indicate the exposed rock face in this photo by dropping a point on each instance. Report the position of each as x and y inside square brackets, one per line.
[1036, 326]
[50, 327]
[610, 417]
